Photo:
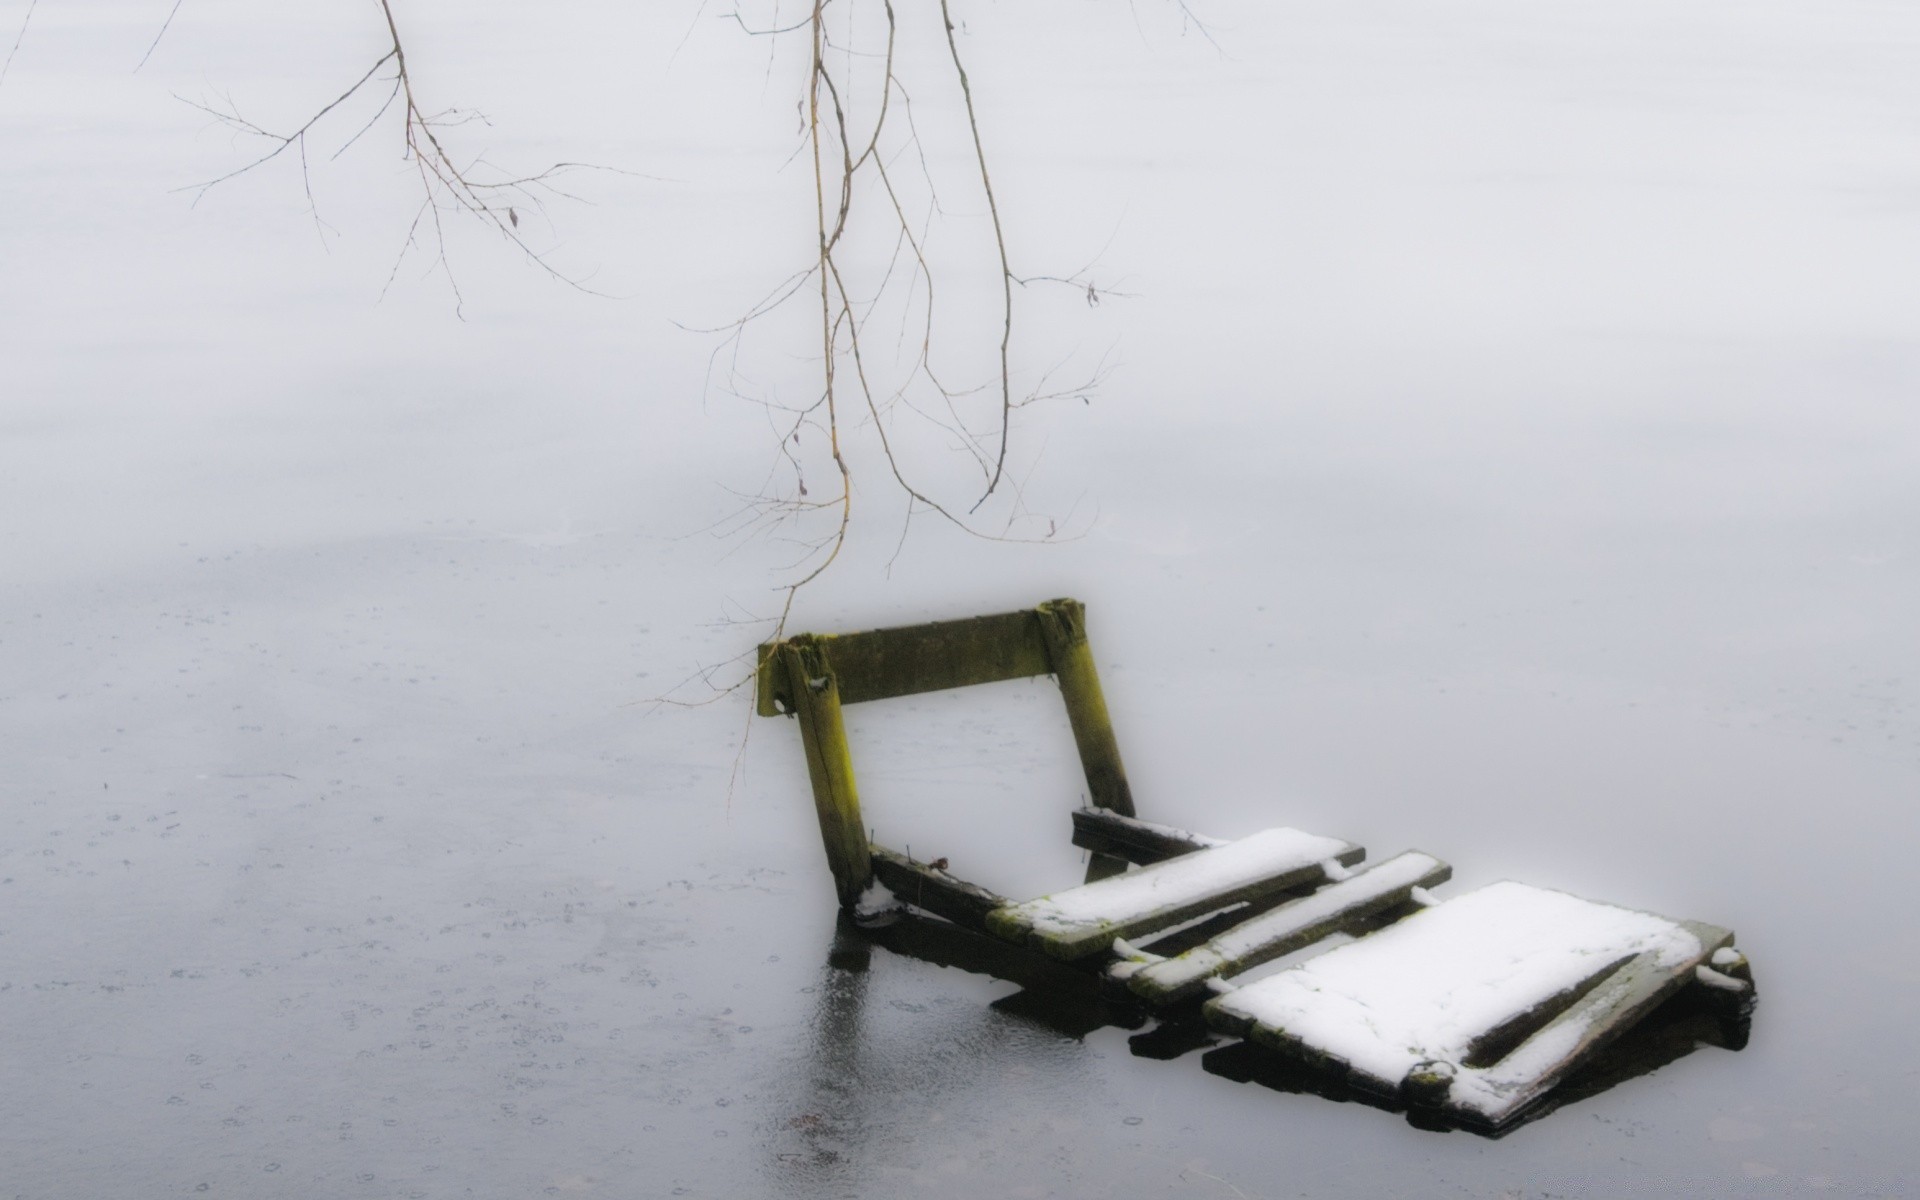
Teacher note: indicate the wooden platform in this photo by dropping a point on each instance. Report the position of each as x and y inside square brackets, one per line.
[1475, 1006]
[1469, 1009]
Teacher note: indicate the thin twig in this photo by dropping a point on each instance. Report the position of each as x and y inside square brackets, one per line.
[164, 26]
[18, 38]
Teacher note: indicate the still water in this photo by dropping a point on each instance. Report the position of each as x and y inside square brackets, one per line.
[1509, 453]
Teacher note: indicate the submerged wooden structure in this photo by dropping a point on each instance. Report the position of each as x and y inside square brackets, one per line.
[1470, 1008]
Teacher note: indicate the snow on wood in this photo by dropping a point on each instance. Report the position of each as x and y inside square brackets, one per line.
[1084, 920]
[1483, 1001]
[1290, 927]
[1141, 842]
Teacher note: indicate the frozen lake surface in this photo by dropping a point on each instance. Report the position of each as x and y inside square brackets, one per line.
[1511, 452]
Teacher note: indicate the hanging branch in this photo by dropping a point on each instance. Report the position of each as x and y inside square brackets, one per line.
[856, 153]
[446, 186]
[1000, 243]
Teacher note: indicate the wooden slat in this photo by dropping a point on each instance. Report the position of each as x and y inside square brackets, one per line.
[1107, 832]
[910, 659]
[1385, 1012]
[1083, 921]
[836, 802]
[933, 891]
[1063, 627]
[1603, 1013]
[1283, 930]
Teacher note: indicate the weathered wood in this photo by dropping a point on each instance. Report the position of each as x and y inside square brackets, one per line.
[933, 890]
[948, 944]
[1063, 624]
[1285, 929]
[1494, 1095]
[1474, 1008]
[1107, 832]
[904, 661]
[1083, 921]
[829, 767]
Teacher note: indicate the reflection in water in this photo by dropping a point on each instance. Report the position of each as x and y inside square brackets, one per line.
[834, 1116]
[866, 1075]
[1067, 1003]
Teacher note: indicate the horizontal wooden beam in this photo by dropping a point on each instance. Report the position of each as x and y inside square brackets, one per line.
[1104, 831]
[932, 890]
[905, 661]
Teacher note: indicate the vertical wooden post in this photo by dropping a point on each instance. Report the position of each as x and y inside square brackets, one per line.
[1064, 625]
[816, 700]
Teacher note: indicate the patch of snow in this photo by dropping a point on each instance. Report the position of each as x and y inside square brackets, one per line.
[1248, 937]
[1164, 885]
[1335, 869]
[1715, 979]
[1427, 988]
[876, 902]
[1127, 951]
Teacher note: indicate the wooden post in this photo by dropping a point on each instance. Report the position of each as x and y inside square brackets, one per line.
[816, 700]
[1064, 625]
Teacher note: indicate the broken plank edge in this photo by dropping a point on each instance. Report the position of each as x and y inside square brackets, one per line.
[1493, 1097]
[934, 891]
[1105, 831]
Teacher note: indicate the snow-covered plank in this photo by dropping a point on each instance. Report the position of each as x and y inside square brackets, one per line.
[1083, 921]
[1283, 930]
[1477, 1005]
[1104, 831]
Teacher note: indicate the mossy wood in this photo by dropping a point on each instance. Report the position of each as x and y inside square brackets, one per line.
[830, 768]
[1200, 909]
[1063, 623]
[810, 676]
[881, 664]
[931, 889]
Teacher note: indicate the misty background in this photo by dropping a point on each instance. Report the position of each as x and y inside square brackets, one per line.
[1508, 451]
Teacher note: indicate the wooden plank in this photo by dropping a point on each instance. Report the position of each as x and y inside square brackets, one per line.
[904, 661]
[933, 890]
[1083, 921]
[1493, 1096]
[1475, 1007]
[949, 944]
[1107, 832]
[1063, 627]
[830, 769]
[1283, 930]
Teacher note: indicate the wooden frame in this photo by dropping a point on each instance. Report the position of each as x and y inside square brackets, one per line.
[1201, 910]
[810, 676]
